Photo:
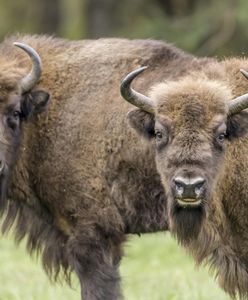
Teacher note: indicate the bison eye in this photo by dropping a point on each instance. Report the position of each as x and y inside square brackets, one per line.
[221, 137]
[16, 114]
[159, 135]
[161, 138]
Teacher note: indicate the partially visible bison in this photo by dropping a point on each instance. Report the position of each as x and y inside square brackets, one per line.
[76, 178]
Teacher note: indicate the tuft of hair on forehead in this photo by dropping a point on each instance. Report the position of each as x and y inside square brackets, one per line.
[174, 95]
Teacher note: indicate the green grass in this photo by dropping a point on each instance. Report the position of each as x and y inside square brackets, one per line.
[154, 268]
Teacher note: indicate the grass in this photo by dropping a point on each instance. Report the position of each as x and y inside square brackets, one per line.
[154, 268]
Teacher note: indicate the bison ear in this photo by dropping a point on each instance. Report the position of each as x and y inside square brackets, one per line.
[237, 125]
[33, 103]
[143, 122]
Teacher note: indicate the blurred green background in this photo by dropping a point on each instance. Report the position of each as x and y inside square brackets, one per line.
[204, 27]
[154, 268]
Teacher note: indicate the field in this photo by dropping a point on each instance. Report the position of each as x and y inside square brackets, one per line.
[154, 268]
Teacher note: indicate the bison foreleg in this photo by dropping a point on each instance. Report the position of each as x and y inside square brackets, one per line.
[97, 269]
[100, 283]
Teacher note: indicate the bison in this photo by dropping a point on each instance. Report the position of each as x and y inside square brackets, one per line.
[76, 178]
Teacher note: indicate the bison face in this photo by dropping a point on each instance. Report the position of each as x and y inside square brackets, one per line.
[190, 124]
[18, 103]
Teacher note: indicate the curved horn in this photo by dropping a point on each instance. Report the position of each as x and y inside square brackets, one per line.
[134, 97]
[29, 81]
[240, 103]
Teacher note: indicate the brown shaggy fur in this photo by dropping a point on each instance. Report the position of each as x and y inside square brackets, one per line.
[81, 178]
[191, 112]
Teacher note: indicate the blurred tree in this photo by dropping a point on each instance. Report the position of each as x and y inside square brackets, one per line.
[102, 17]
[177, 7]
[205, 27]
[33, 16]
[73, 19]
[48, 15]
[222, 33]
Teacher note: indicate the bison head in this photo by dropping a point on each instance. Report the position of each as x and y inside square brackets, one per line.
[18, 102]
[190, 122]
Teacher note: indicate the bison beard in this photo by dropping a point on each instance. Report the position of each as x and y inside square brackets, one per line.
[185, 222]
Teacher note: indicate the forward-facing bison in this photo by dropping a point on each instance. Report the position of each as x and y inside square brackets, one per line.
[77, 178]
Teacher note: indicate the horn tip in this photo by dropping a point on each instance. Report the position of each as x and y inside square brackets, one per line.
[17, 44]
[244, 73]
[23, 46]
[134, 73]
[141, 69]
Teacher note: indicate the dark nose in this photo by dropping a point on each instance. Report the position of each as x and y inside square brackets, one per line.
[189, 187]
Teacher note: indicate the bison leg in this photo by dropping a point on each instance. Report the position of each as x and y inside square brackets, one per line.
[97, 269]
[101, 282]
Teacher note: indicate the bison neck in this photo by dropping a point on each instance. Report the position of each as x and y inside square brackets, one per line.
[135, 188]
